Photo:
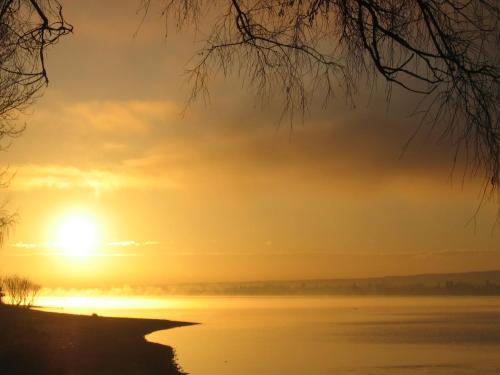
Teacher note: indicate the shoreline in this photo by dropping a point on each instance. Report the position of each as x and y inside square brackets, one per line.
[40, 342]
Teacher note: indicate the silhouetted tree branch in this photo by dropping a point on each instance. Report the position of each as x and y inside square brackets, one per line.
[27, 29]
[446, 51]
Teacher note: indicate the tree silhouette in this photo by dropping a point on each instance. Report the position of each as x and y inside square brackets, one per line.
[21, 291]
[445, 51]
[27, 29]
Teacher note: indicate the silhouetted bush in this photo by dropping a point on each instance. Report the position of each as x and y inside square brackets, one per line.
[20, 291]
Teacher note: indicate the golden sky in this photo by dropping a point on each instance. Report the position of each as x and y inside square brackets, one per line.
[226, 192]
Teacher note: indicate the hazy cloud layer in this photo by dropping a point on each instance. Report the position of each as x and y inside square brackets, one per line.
[139, 144]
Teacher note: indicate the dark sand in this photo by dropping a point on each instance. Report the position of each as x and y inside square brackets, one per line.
[37, 342]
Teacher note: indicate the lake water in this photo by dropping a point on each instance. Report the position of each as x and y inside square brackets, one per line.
[324, 335]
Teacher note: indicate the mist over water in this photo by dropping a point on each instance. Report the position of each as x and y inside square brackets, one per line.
[324, 335]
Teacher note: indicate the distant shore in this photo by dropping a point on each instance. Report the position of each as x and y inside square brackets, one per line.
[38, 342]
[476, 283]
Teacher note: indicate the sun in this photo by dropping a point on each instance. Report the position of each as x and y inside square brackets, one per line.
[77, 235]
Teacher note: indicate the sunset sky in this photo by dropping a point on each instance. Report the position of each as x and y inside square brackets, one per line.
[226, 192]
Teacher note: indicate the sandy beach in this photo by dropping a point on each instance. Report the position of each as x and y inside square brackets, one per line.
[38, 342]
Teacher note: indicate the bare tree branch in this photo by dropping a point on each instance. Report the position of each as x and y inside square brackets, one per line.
[27, 29]
[443, 50]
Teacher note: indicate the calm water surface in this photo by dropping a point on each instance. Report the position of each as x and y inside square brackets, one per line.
[326, 335]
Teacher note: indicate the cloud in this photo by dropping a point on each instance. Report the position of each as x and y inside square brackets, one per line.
[133, 243]
[60, 177]
[49, 249]
[359, 152]
[25, 245]
[132, 116]
[111, 145]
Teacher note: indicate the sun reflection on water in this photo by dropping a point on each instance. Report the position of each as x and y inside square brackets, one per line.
[83, 304]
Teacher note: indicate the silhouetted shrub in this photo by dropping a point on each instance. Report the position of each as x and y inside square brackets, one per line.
[20, 291]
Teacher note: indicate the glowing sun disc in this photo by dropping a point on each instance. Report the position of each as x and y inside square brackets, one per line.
[77, 235]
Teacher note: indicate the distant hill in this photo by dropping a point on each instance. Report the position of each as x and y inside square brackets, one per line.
[467, 283]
